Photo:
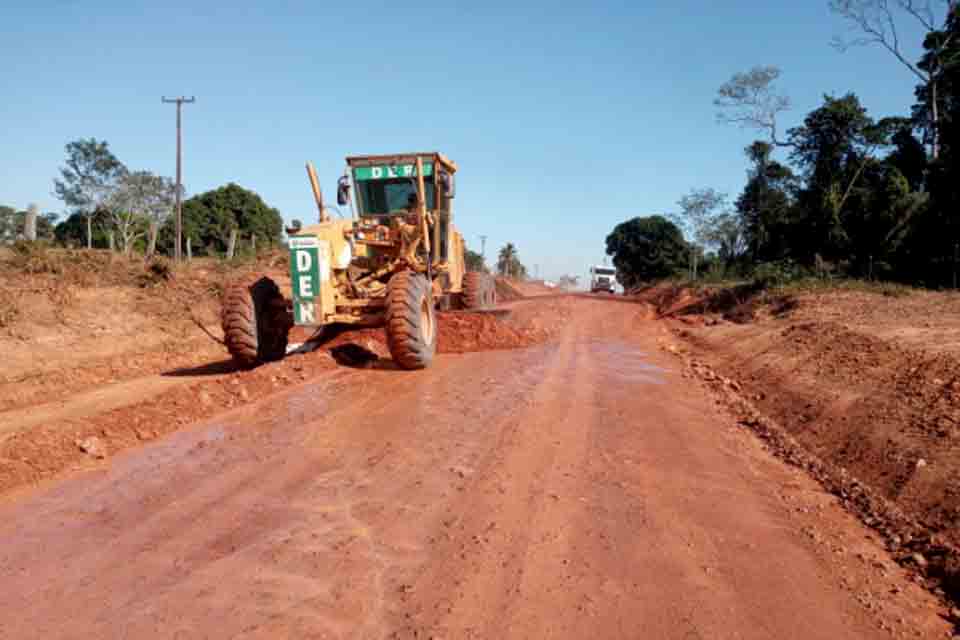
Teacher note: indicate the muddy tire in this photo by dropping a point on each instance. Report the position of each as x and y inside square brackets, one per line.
[474, 287]
[491, 292]
[411, 321]
[255, 322]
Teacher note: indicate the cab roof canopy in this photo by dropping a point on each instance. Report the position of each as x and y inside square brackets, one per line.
[403, 158]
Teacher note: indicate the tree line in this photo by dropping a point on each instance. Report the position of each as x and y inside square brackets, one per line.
[111, 206]
[844, 193]
[508, 262]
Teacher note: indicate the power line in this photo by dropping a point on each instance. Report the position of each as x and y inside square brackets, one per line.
[179, 102]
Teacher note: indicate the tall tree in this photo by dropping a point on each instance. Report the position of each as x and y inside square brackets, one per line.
[750, 99]
[765, 205]
[879, 23]
[141, 203]
[707, 218]
[508, 262]
[833, 148]
[645, 249]
[88, 179]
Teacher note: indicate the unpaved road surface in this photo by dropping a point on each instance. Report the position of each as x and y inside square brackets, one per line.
[576, 489]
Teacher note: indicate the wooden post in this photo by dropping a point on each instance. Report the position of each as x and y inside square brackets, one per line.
[232, 245]
[30, 223]
[253, 243]
[189, 250]
[152, 239]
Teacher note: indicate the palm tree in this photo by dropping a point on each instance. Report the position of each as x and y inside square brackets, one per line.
[507, 261]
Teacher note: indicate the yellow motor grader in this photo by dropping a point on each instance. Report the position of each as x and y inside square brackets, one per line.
[392, 264]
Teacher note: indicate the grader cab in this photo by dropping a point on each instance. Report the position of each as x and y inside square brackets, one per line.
[392, 264]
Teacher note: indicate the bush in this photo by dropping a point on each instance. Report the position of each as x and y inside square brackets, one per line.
[777, 274]
[35, 257]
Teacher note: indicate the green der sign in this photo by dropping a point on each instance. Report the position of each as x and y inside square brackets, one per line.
[305, 277]
[391, 171]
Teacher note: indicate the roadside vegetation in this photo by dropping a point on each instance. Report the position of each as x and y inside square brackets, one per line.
[843, 195]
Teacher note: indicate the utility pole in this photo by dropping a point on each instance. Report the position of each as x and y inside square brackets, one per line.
[179, 102]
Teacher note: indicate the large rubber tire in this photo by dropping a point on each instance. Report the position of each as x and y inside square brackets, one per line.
[255, 322]
[411, 321]
[474, 290]
[491, 291]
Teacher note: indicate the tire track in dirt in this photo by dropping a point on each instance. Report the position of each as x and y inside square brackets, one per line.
[359, 505]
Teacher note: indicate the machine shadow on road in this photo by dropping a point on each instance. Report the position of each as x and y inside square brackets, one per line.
[219, 368]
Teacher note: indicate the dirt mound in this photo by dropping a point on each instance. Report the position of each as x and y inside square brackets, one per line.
[464, 332]
[459, 332]
[507, 290]
[882, 411]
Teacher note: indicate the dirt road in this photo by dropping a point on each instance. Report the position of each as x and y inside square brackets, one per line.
[576, 489]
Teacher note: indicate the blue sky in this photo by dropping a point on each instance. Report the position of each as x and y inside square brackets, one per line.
[564, 119]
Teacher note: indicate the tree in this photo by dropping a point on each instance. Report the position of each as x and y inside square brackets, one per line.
[72, 232]
[474, 261]
[765, 206]
[708, 220]
[89, 179]
[140, 204]
[9, 228]
[750, 100]
[508, 264]
[210, 218]
[877, 22]
[833, 147]
[12, 223]
[645, 249]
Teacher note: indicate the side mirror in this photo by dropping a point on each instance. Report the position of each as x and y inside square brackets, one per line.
[343, 190]
[449, 184]
[295, 226]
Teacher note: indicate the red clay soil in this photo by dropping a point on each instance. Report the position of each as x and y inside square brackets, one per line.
[507, 290]
[581, 489]
[213, 384]
[872, 392]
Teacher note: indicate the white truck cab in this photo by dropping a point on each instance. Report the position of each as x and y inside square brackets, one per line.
[602, 279]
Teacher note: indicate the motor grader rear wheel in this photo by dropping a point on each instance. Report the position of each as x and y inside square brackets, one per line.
[491, 292]
[255, 322]
[479, 291]
[411, 320]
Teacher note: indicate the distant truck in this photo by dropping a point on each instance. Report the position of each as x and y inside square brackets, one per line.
[601, 279]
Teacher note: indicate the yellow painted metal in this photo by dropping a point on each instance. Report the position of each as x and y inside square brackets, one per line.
[342, 244]
[422, 195]
[317, 194]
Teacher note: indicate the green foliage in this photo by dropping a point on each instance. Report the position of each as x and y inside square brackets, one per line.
[89, 178]
[209, 218]
[508, 263]
[474, 261]
[766, 205]
[12, 225]
[645, 249]
[778, 273]
[72, 232]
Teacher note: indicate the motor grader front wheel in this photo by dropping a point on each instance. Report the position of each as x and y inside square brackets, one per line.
[479, 290]
[255, 322]
[411, 320]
